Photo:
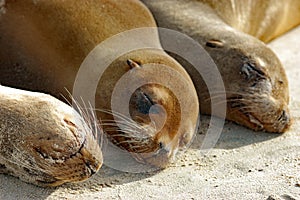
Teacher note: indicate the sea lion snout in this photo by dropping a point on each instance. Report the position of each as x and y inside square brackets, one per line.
[56, 144]
[281, 121]
[285, 119]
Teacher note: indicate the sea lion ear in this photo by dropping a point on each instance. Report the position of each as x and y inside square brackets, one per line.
[132, 64]
[214, 43]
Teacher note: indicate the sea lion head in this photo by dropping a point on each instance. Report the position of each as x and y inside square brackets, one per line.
[162, 117]
[60, 147]
[256, 83]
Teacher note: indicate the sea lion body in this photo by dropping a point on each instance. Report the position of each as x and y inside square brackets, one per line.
[57, 30]
[43, 44]
[264, 20]
[255, 81]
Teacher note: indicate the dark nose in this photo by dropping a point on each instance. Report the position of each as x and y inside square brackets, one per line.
[284, 117]
[285, 120]
[162, 149]
[93, 166]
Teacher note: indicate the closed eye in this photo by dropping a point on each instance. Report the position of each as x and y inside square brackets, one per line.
[144, 103]
[251, 71]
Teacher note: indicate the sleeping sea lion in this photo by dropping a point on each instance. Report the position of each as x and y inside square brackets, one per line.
[255, 81]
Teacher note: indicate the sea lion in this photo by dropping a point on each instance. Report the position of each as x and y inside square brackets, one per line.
[44, 141]
[43, 44]
[256, 84]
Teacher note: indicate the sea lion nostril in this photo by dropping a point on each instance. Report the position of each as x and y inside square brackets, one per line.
[161, 145]
[284, 116]
[91, 166]
[162, 149]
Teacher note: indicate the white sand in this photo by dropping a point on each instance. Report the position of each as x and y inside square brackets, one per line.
[243, 165]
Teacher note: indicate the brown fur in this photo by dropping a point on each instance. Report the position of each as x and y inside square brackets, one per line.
[255, 81]
[44, 43]
[44, 141]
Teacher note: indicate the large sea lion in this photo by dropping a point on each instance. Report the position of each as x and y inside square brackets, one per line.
[43, 43]
[256, 83]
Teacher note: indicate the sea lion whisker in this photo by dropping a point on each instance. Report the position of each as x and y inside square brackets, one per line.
[136, 137]
[124, 119]
[118, 128]
[90, 119]
[129, 132]
[96, 127]
[127, 126]
[140, 150]
[114, 123]
[217, 102]
[126, 142]
[27, 165]
[121, 135]
[99, 133]
[251, 115]
[23, 164]
[76, 106]
[235, 110]
[229, 92]
[119, 122]
[215, 96]
[247, 108]
[114, 113]
[87, 114]
[83, 110]
[124, 129]
[65, 98]
[254, 102]
[250, 111]
[229, 100]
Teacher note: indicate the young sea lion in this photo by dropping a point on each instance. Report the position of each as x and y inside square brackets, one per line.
[43, 44]
[255, 81]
